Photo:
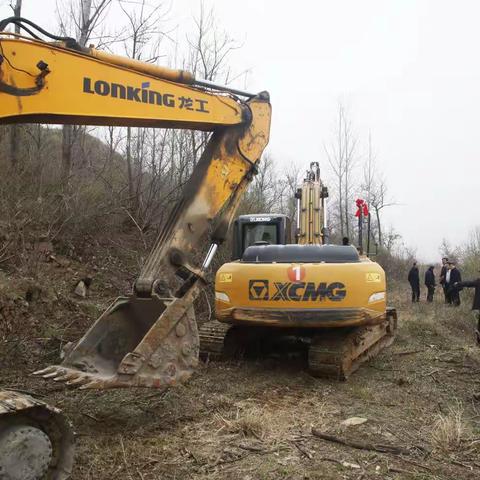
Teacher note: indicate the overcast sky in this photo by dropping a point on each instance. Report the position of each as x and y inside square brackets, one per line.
[407, 70]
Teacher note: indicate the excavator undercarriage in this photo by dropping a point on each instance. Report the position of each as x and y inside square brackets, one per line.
[329, 353]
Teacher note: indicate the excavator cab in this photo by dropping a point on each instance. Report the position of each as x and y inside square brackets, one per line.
[259, 229]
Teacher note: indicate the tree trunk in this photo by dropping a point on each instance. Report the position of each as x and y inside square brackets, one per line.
[14, 134]
[128, 154]
[377, 213]
[340, 206]
[68, 135]
[86, 8]
[14, 129]
[347, 220]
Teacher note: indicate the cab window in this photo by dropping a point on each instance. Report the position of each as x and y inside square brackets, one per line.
[259, 232]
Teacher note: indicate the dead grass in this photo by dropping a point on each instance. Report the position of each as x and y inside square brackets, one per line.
[253, 422]
[450, 430]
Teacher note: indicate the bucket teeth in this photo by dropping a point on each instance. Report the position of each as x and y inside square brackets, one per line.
[45, 371]
[81, 379]
[91, 384]
[71, 377]
[52, 375]
[65, 376]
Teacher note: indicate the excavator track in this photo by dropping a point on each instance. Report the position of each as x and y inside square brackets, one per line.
[339, 352]
[36, 440]
[223, 341]
[212, 339]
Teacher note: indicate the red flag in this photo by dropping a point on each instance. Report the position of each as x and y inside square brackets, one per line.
[362, 208]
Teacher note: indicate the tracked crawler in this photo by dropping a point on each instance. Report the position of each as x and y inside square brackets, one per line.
[36, 441]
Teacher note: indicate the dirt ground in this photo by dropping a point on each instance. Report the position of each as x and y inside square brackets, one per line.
[253, 419]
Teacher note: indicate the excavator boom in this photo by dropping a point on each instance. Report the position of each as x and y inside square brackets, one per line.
[149, 338]
[47, 83]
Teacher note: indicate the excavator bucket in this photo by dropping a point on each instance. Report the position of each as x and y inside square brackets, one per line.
[137, 342]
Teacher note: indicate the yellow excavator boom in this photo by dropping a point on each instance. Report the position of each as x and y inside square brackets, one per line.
[149, 338]
[47, 83]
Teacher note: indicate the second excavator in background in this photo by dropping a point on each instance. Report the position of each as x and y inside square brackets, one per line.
[329, 297]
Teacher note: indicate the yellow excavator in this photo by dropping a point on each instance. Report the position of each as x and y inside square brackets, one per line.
[150, 338]
[329, 297]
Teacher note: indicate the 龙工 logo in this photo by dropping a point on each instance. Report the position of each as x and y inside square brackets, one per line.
[143, 94]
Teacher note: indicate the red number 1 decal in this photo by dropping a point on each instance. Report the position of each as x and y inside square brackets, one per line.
[296, 273]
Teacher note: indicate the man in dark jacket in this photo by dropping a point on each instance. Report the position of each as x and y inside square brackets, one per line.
[443, 273]
[452, 277]
[476, 300]
[414, 281]
[430, 283]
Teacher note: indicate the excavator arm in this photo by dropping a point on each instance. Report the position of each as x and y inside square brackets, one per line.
[150, 338]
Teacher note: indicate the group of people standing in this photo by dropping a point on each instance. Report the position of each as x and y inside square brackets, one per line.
[450, 281]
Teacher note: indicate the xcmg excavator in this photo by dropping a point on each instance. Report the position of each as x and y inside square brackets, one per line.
[327, 296]
[150, 338]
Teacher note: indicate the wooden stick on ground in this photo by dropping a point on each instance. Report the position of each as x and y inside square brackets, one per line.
[361, 445]
[256, 448]
[407, 352]
[303, 450]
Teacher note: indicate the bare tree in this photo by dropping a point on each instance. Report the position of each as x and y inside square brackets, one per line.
[471, 253]
[349, 145]
[207, 58]
[264, 193]
[141, 41]
[85, 16]
[379, 200]
[392, 237]
[288, 187]
[15, 129]
[210, 47]
[342, 157]
[374, 188]
[369, 172]
[448, 250]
